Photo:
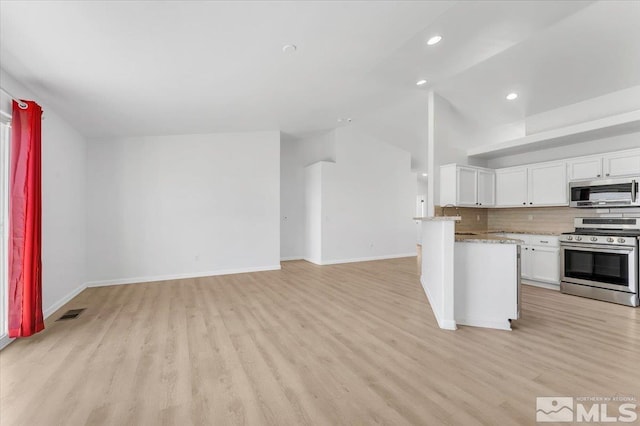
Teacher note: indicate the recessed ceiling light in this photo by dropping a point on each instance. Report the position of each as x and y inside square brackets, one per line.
[342, 120]
[511, 96]
[433, 40]
[421, 82]
[424, 174]
[289, 48]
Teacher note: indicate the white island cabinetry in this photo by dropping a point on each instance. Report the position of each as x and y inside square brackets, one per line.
[487, 283]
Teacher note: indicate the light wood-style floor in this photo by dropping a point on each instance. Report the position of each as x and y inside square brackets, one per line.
[344, 344]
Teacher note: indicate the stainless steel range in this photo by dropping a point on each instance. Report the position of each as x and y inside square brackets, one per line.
[600, 259]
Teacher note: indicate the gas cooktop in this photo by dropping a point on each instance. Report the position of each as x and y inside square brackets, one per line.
[604, 232]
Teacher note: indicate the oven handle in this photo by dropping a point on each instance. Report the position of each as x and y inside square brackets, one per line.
[634, 190]
[600, 248]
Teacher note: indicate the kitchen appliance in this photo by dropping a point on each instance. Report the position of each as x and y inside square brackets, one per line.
[605, 193]
[600, 259]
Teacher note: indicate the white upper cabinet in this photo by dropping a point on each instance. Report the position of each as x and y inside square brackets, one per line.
[486, 188]
[533, 186]
[511, 187]
[584, 168]
[466, 186]
[603, 166]
[625, 163]
[547, 184]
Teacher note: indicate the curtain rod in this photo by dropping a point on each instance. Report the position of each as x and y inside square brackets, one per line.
[21, 104]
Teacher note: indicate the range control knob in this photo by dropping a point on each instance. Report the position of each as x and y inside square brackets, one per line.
[569, 238]
[621, 240]
[594, 238]
[578, 238]
[610, 240]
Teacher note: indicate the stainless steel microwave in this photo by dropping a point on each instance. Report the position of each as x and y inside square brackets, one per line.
[605, 193]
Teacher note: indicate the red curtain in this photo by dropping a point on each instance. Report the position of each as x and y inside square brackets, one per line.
[25, 222]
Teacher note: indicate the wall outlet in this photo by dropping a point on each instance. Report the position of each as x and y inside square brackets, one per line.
[478, 217]
[530, 217]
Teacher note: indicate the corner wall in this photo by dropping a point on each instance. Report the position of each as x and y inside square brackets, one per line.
[166, 207]
[295, 154]
[64, 188]
[367, 200]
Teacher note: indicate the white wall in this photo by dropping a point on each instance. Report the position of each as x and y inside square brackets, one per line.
[313, 212]
[615, 143]
[367, 200]
[64, 180]
[183, 205]
[619, 102]
[448, 142]
[295, 154]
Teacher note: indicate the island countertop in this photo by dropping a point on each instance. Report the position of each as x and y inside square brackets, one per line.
[485, 238]
[438, 218]
[481, 237]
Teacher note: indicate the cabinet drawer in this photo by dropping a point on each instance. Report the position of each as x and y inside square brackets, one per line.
[544, 240]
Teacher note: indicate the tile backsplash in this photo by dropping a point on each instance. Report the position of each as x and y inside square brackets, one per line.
[536, 219]
[473, 220]
[530, 219]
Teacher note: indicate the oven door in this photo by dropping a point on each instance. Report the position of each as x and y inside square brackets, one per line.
[603, 266]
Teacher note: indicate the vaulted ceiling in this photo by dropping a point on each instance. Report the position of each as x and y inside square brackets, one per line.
[152, 67]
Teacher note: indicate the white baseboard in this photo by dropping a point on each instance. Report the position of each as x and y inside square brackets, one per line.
[60, 303]
[542, 285]
[182, 276]
[442, 323]
[285, 259]
[5, 340]
[498, 325]
[363, 259]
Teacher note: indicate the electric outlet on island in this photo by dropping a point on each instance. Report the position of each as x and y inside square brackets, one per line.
[478, 218]
[530, 217]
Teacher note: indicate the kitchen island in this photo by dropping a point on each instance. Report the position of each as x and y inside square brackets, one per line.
[486, 281]
[469, 279]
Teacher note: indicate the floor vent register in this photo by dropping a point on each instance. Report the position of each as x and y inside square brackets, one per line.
[71, 314]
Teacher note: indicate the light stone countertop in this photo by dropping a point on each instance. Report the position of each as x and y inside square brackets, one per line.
[486, 239]
[438, 218]
[526, 232]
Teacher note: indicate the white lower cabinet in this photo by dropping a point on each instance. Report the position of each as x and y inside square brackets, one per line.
[539, 258]
[525, 262]
[544, 264]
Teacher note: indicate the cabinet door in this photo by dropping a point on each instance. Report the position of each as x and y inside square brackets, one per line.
[467, 187]
[486, 188]
[622, 164]
[525, 262]
[545, 264]
[585, 168]
[548, 184]
[511, 187]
